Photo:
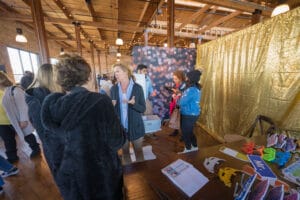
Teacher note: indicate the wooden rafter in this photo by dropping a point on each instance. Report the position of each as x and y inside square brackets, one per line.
[194, 16]
[27, 2]
[4, 7]
[69, 15]
[141, 18]
[109, 27]
[93, 15]
[220, 21]
[239, 5]
[153, 13]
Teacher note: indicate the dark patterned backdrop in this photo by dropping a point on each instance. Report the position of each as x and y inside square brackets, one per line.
[162, 62]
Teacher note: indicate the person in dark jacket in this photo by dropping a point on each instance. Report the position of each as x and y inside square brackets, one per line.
[128, 99]
[26, 79]
[42, 86]
[83, 134]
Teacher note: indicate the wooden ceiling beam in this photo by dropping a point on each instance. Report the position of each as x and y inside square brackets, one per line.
[27, 18]
[239, 5]
[93, 14]
[4, 7]
[69, 15]
[220, 21]
[141, 18]
[152, 15]
[193, 16]
[28, 3]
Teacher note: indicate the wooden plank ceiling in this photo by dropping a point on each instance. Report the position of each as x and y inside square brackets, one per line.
[101, 20]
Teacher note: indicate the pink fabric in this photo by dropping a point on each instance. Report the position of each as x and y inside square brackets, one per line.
[172, 106]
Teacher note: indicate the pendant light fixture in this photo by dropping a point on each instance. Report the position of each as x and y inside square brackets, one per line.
[281, 8]
[119, 40]
[20, 37]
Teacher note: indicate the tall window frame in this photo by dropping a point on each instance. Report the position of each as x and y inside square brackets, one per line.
[21, 61]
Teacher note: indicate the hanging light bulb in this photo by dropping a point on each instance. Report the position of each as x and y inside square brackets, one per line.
[118, 54]
[282, 8]
[118, 60]
[119, 40]
[20, 37]
[62, 51]
[165, 45]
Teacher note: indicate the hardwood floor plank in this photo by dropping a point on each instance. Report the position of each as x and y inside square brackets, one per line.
[35, 182]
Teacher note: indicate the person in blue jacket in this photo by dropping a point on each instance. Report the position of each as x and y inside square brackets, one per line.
[190, 110]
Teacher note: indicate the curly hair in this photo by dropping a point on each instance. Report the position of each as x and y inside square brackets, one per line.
[72, 70]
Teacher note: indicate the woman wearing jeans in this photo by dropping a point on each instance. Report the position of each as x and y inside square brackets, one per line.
[190, 110]
[8, 169]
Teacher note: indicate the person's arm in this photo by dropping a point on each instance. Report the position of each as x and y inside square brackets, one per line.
[186, 97]
[139, 103]
[110, 124]
[19, 98]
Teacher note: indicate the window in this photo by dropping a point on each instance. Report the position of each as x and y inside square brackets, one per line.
[22, 61]
[53, 61]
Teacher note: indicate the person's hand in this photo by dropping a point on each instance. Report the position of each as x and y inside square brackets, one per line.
[132, 100]
[23, 124]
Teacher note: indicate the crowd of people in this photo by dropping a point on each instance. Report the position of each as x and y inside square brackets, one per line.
[82, 131]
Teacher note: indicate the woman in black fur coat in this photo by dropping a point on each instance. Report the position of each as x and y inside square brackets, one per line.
[83, 135]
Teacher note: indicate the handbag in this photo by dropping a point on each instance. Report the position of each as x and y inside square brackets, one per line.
[175, 119]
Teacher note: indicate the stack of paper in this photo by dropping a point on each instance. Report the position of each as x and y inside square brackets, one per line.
[185, 176]
[292, 172]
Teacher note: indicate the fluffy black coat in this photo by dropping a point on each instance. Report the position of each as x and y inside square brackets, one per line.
[83, 135]
[34, 98]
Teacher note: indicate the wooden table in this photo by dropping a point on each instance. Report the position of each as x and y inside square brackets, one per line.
[145, 180]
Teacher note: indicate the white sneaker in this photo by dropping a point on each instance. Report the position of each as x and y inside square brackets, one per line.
[185, 151]
[194, 148]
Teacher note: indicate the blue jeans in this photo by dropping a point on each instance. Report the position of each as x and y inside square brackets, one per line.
[4, 166]
[187, 123]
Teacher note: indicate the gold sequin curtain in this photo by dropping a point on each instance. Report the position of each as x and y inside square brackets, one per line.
[251, 72]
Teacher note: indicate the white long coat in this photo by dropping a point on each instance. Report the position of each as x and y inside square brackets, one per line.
[17, 110]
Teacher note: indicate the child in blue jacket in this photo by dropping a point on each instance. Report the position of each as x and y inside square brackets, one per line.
[190, 110]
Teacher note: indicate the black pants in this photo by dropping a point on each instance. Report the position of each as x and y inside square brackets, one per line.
[7, 132]
[187, 123]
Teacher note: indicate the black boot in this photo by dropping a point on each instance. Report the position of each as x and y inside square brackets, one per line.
[31, 140]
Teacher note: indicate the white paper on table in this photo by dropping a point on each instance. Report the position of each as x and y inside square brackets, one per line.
[185, 176]
[147, 151]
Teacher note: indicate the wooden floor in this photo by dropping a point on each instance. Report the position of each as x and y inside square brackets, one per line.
[34, 181]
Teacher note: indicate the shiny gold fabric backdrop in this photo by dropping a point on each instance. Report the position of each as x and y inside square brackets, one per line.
[251, 72]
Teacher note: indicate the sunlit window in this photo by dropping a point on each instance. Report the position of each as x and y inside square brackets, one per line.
[22, 61]
[53, 61]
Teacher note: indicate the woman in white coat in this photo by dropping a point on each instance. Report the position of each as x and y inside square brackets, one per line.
[13, 102]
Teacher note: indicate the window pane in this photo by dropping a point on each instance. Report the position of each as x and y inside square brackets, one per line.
[26, 61]
[15, 63]
[34, 60]
[18, 77]
[53, 61]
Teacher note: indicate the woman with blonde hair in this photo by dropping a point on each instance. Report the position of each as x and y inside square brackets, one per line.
[13, 102]
[42, 86]
[129, 102]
